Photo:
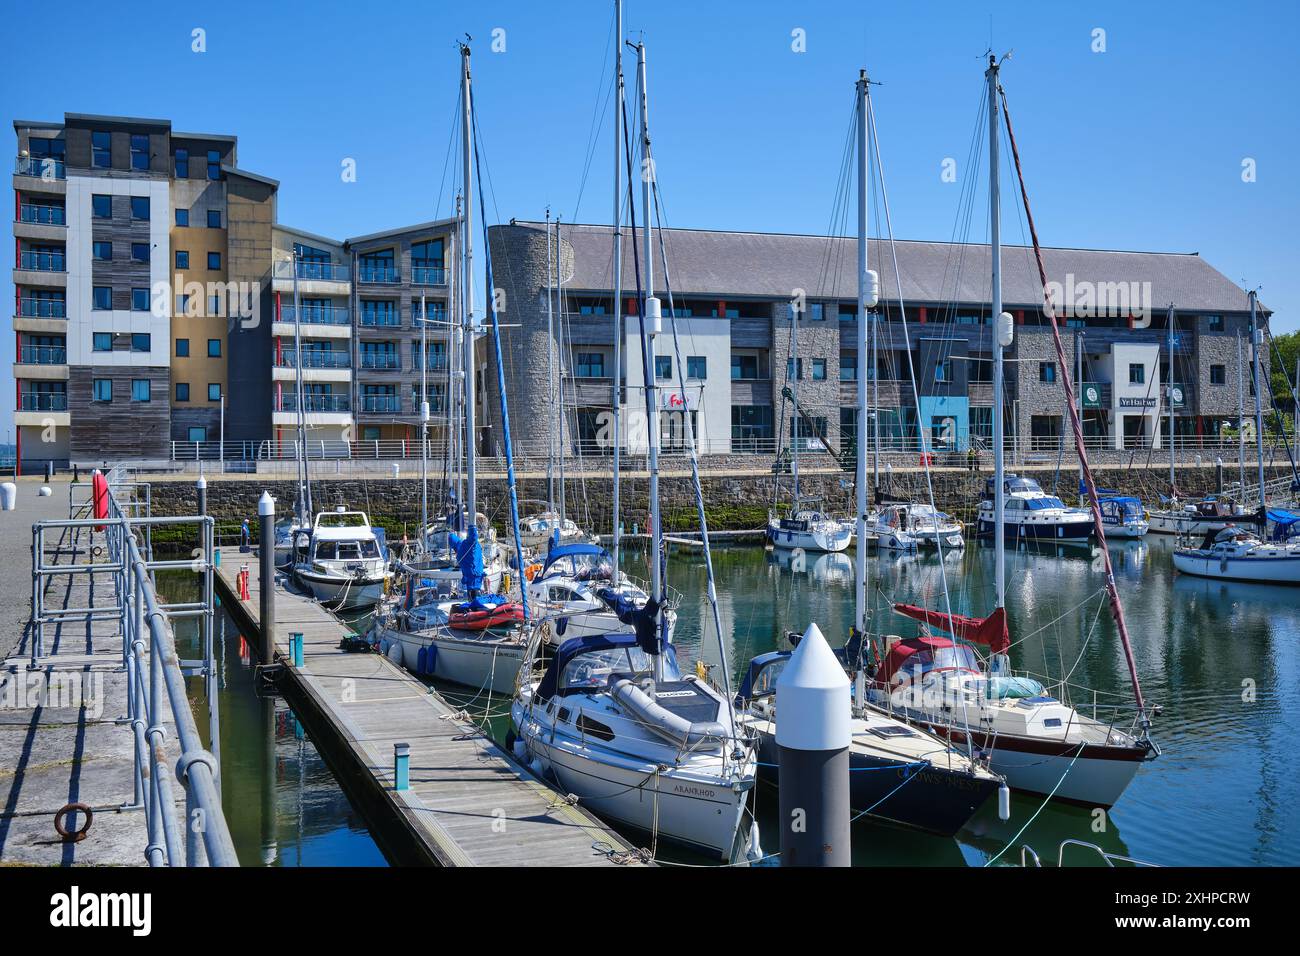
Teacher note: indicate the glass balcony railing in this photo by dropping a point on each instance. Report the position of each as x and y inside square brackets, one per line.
[315, 358]
[380, 319]
[315, 403]
[381, 403]
[436, 316]
[381, 360]
[322, 271]
[43, 355]
[42, 167]
[43, 308]
[43, 262]
[369, 272]
[42, 214]
[429, 275]
[314, 315]
[43, 402]
[437, 363]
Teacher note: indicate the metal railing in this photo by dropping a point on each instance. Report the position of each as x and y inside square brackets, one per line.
[380, 319]
[42, 167]
[43, 261]
[155, 674]
[320, 271]
[314, 358]
[381, 403]
[374, 273]
[43, 401]
[429, 275]
[33, 308]
[314, 315]
[314, 403]
[42, 214]
[381, 360]
[43, 355]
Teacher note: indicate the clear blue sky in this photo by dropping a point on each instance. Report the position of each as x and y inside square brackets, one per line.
[1139, 147]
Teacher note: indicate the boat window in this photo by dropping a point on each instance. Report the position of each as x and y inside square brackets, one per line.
[958, 657]
[349, 550]
[594, 669]
[561, 595]
[765, 682]
[1040, 504]
[1015, 504]
[326, 551]
[369, 549]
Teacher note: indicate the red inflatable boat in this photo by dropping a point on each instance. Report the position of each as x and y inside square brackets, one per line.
[482, 618]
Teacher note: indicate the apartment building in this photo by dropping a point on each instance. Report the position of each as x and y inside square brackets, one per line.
[734, 301]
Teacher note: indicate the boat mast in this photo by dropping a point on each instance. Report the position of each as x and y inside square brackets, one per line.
[424, 416]
[618, 263]
[550, 372]
[1241, 417]
[1001, 338]
[1078, 376]
[1257, 342]
[652, 320]
[1169, 397]
[794, 418]
[559, 370]
[864, 335]
[467, 287]
[304, 479]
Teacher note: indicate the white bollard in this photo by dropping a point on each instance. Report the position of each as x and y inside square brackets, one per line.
[45, 491]
[813, 733]
[8, 496]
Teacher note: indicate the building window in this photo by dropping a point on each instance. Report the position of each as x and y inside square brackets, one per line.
[182, 303]
[1137, 373]
[427, 262]
[139, 300]
[697, 367]
[214, 261]
[663, 367]
[1216, 322]
[793, 369]
[139, 252]
[102, 299]
[1047, 371]
[214, 218]
[182, 348]
[751, 428]
[182, 391]
[182, 259]
[101, 206]
[590, 365]
[1218, 375]
[848, 366]
[141, 342]
[214, 164]
[182, 217]
[197, 433]
[748, 366]
[214, 392]
[100, 150]
[819, 370]
[103, 342]
[141, 390]
[103, 250]
[182, 164]
[943, 370]
[139, 151]
[377, 266]
[818, 310]
[848, 312]
[102, 390]
[140, 208]
[214, 348]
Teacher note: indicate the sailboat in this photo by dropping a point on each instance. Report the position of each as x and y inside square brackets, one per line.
[610, 717]
[1235, 553]
[897, 773]
[1036, 740]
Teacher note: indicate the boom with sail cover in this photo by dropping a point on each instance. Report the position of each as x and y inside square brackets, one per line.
[990, 631]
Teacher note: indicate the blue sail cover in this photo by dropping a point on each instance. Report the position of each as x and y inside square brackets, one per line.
[1283, 523]
[644, 620]
[1101, 492]
[469, 555]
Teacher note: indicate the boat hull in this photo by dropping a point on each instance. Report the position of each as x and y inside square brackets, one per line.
[1268, 570]
[1044, 531]
[810, 540]
[1173, 523]
[343, 594]
[482, 662]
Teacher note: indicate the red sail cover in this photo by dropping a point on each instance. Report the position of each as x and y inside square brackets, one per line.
[990, 631]
[99, 496]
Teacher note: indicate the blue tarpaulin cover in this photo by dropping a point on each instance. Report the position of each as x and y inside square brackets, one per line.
[469, 555]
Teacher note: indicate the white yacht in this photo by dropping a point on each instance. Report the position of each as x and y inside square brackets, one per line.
[904, 526]
[810, 530]
[1030, 514]
[1123, 516]
[1196, 518]
[1237, 554]
[342, 560]
[538, 531]
[578, 591]
[434, 555]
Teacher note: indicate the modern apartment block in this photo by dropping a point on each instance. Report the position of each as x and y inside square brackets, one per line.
[734, 296]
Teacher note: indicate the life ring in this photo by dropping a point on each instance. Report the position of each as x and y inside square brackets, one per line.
[532, 571]
[73, 836]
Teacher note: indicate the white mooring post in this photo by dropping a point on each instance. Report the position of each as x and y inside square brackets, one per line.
[812, 739]
[266, 551]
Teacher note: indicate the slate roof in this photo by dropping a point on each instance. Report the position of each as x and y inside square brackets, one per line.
[770, 265]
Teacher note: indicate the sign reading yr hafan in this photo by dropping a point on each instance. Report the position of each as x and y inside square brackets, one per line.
[1137, 403]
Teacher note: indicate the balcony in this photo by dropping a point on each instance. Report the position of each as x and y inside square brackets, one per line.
[42, 214]
[43, 308]
[428, 275]
[43, 402]
[376, 320]
[376, 273]
[313, 271]
[43, 261]
[390, 404]
[40, 167]
[437, 363]
[314, 403]
[313, 315]
[437, 316]
[386, 361]
[42, 355]
[314, 358]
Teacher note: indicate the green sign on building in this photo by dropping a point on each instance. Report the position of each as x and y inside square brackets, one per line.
[1091, 395]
